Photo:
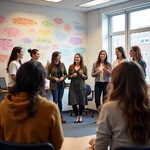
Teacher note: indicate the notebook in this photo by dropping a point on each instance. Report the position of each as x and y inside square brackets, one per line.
[3, 85]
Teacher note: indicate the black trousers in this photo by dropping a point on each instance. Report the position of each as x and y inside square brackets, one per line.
[78, 111]
[99, 88]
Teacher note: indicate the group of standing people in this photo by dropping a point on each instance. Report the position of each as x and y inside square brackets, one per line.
[118, 125]
[77, 73]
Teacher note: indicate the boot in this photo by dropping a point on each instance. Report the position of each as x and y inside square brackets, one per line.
[62, 120]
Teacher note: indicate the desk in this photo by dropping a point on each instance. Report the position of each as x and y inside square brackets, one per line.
[81, 143]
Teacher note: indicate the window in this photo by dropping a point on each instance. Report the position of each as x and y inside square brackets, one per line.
[128, 29]
[118, 40]
[118, 23]
[144, 40]
[140, 19]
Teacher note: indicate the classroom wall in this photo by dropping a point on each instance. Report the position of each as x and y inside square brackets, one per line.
[44, 28]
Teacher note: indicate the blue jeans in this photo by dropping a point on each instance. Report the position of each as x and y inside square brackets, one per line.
[57, 96]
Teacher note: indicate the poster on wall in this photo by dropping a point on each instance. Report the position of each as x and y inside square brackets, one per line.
[43, 33]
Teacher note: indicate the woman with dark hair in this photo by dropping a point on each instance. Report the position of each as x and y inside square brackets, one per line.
[121, 56]
[13, 64]
[125, 118]
[77, 91]
[57, 74]
[101, 72]
[35, 55]
[25, 116]
[135, 53]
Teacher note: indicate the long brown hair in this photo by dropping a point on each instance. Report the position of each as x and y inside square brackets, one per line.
[138, 52]
[99, 59]
[81, 62]
[130, 88]
[14, 56]
[54, 55]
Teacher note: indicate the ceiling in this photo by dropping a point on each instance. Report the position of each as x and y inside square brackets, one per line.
[69, 4]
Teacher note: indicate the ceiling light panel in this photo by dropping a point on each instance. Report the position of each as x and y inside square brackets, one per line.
[93, 3]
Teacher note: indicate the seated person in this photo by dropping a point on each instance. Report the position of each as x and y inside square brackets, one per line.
[25, 116]
[125, 118]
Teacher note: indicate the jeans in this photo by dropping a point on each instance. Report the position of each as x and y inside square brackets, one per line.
[57, 96]
[99, 88]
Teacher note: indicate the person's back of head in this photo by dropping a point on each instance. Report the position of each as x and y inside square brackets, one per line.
[130, 89]
[30, 79]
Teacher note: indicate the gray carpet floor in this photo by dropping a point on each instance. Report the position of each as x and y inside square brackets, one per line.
[87, 127]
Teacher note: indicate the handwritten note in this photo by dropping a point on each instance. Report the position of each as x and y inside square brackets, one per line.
[44, 32]
[45, 41]
[24, 21]
[80, 50]
[12, 32]
[79, 28]
[47, 23]
[65, 52]
[6, 44]
[27, 40]
[58, 21]
[46, 47]
[32, 30]
[67, 28]
[55, 47]
[75, 41]
[4, 58]
[60, 35]
[2, 20]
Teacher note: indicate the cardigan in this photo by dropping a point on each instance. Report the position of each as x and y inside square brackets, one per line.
[43, 126]
[97, 77]
[111, 128]
[52, 74]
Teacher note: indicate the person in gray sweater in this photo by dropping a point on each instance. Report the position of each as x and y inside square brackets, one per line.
[125, 117]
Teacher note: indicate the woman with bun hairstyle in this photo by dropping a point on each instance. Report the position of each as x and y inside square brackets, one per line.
[35, 55]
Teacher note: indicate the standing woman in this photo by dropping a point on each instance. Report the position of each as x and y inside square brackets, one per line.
[13, 64]
[77, 91]
[35, 55]
[57, 74]
[121, 56]
[135, 53]
[101, 72]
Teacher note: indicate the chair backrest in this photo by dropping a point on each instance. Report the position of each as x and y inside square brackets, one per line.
[15, 146]
[3, 83]
[88, 89]
[133, 148]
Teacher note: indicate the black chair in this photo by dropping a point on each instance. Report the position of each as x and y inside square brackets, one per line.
[3, 85]
[133, 148]
[15, 146]
[90, 95]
